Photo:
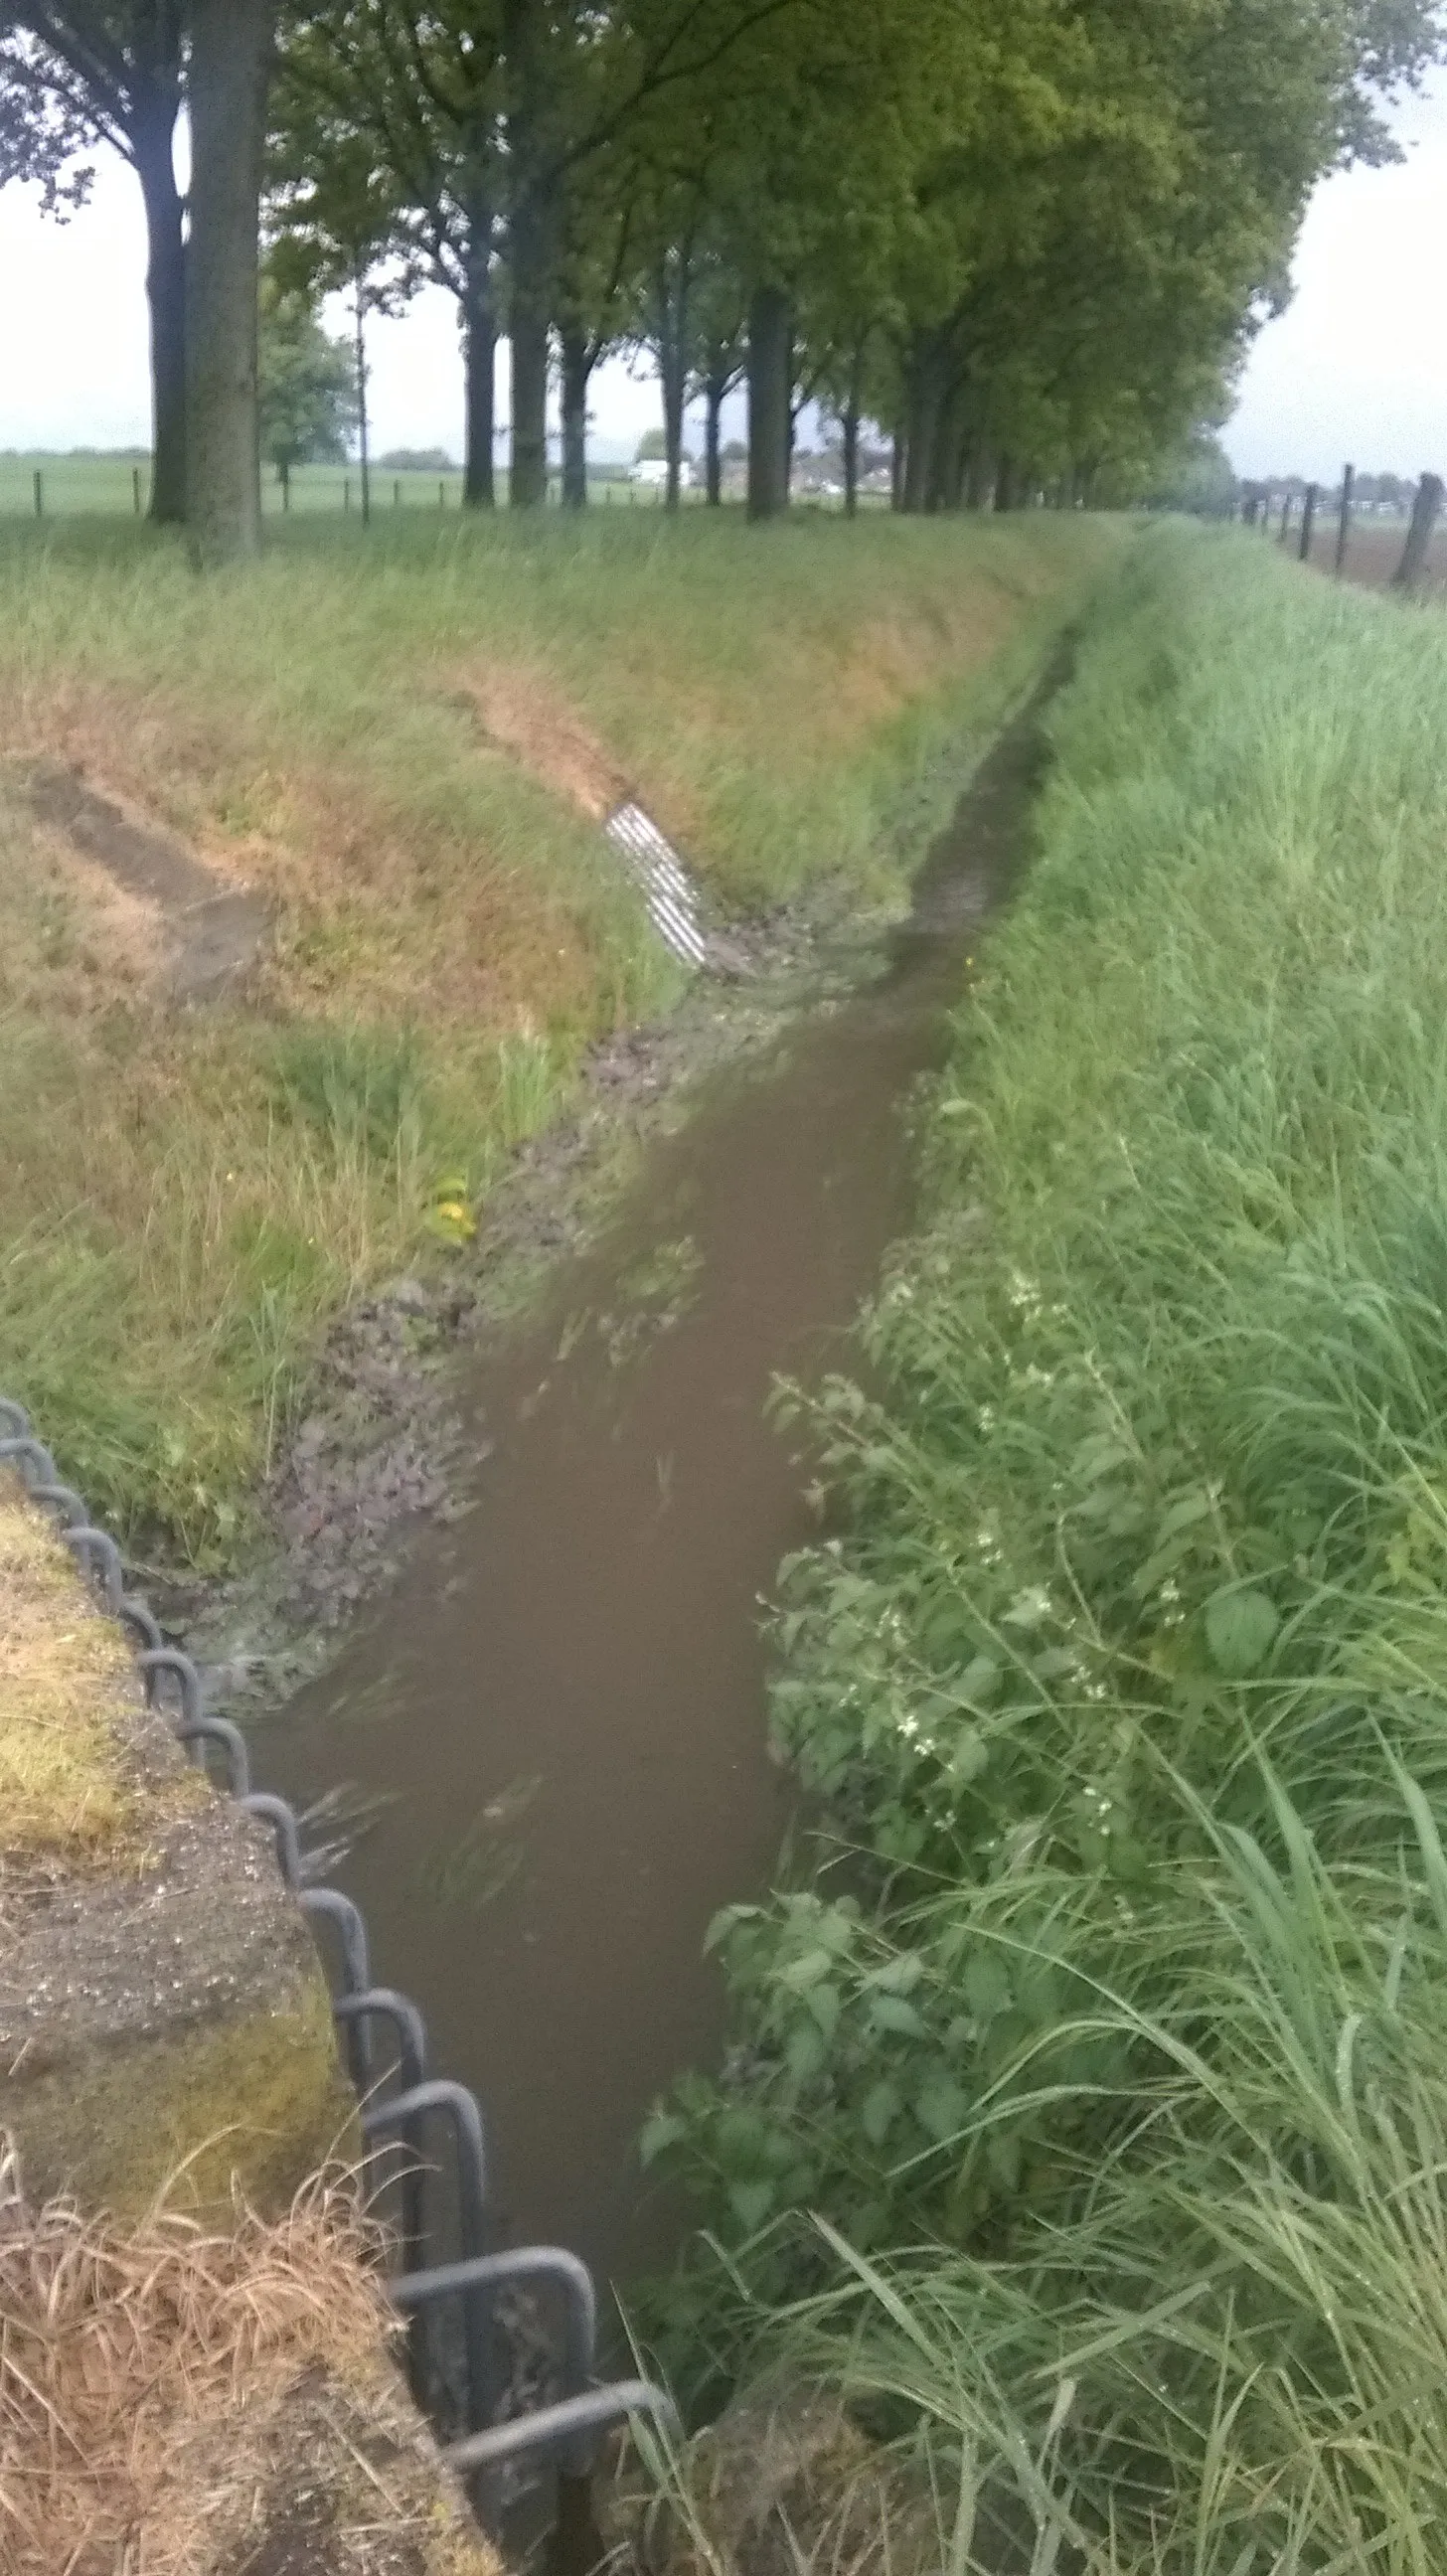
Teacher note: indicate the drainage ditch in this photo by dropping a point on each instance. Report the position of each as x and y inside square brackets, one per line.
[554, 1724]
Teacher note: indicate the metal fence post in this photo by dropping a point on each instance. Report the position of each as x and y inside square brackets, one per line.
[1344, 520]
[1308, 522]
[39, 494]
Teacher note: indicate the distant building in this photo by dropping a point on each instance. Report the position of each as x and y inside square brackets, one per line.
[652, 471]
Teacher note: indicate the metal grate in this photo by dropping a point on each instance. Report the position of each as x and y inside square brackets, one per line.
[567, 2429]
[668, 890]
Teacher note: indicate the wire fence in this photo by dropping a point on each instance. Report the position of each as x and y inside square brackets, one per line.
[1327, 527]
[105, 487]
[399, 2102]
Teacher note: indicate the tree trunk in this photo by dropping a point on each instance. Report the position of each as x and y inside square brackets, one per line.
[479, 361]
[672, 372]
[1005, 484]
[955, 466]
[152, 138]
[230, 66]
[924, 395]
[712, 438]
[947, 475]
[771, 385]
[364, 456]
[1419, 535]
[851, 457]
[898, 460]
[528, 330]
[577, 368]
[980, 479]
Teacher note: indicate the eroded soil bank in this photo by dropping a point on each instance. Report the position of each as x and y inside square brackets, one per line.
[556, 1713]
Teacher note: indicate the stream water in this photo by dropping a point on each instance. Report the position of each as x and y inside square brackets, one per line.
[562, 1703]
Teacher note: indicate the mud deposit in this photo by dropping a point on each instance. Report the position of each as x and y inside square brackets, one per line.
[559, 1708]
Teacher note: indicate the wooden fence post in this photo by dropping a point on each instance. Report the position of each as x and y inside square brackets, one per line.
[347, 492]
[39, 494]
[441, 496]
[1344, 520]
[1285, 519]
[397, 496]
[1419, 535]
[1308, 521]
[285, 484]
[136, 489]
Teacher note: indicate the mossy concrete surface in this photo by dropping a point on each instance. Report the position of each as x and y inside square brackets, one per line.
[164, 2020]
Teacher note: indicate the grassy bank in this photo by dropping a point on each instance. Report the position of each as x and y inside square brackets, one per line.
[1111, 2049]
[403, 738]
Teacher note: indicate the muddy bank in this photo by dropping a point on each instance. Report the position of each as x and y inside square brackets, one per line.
[545, 1738]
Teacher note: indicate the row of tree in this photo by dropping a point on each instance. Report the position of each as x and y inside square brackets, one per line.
[1029, 238]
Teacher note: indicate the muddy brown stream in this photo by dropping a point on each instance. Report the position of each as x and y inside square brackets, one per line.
[563, 1700]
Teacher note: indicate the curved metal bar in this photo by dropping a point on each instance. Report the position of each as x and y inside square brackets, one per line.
[383, 2003]
[330, 1904]
[402, 2113]
[91, 1546]
[14, 1420]
[169, 1659]
[64, 1498]
[35, 1464]
[525, 2263]
[139, 1616]
[282, 1820]
[219, 1730]
[356, 2013]
[570, 2419]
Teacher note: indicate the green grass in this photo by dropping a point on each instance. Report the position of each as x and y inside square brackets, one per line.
[79, 486]
[1111, 2049]
[187, 1200]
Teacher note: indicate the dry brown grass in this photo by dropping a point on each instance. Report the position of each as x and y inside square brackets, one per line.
[168, 2398]
[523, 714]
[67, 1781]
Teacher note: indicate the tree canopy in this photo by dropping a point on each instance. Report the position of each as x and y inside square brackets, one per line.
[1028, 240]
[306, 383]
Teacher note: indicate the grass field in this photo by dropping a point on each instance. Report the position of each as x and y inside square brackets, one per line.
[1112, 2049]
[404, 743]
[1374, 550]
[78, 486]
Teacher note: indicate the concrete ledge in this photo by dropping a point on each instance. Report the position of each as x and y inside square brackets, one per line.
[164, 2018]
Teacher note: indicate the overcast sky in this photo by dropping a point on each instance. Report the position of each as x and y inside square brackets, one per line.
[1356, 369]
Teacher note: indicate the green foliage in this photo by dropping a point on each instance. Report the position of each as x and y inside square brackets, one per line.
[1198, 477]
[307, 383]
[1122, 1675]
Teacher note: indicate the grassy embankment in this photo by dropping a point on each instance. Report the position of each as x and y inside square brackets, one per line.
[186, 1199]
[1115, 2053]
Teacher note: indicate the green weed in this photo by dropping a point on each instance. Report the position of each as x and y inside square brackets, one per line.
[1106, 2045]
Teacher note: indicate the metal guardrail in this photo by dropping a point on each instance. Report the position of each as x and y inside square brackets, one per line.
[566, 2429]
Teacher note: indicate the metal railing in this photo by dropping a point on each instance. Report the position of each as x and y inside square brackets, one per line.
[566, 2430]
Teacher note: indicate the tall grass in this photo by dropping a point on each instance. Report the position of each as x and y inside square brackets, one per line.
[185, 1201]
[1110, 2049]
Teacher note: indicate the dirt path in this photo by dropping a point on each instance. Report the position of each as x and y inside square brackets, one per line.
[208, 933]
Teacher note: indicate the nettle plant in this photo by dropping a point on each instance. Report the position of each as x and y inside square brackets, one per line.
[1047, 1660]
